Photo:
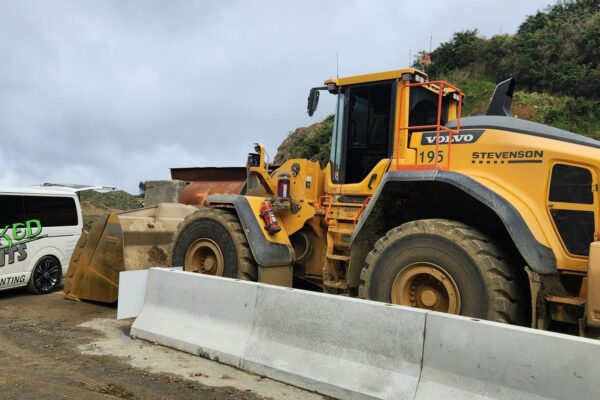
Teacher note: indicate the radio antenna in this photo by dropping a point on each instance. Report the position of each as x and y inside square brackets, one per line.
[337, 66]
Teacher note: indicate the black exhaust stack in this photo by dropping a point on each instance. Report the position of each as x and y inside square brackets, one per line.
[502, 99]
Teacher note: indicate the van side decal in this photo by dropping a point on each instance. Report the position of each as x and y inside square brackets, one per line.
[12, 280]
[18, 233]
[21, 249]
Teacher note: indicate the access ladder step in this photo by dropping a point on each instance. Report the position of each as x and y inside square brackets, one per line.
[573, 301]
[338, 257]
[336, 284]
[342, 231]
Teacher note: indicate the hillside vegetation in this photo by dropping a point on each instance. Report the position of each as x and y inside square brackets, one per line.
[554, 57]
[312, 142]
[94, 204]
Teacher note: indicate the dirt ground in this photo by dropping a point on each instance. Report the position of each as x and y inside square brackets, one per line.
[52, 348]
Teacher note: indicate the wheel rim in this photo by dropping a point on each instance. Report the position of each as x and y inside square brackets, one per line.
[204, 257]
[47, 275]
[428, 286]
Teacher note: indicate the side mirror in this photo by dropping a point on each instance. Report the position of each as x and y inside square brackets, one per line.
[313, 100]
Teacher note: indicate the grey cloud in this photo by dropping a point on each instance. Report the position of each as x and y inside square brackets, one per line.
[112, 92]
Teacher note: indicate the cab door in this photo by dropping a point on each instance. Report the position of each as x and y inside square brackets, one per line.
[363, 137]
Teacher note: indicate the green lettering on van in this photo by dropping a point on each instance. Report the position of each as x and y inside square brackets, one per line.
[20, 232]
[38, 225]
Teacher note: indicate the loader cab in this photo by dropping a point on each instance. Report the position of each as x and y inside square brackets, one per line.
[370, 110]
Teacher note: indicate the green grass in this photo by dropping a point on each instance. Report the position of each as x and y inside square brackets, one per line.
[564, 112]
[115, 200]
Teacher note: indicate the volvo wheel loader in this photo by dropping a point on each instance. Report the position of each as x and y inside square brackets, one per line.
[488, 216]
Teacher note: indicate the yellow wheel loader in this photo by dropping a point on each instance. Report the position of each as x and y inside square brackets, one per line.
[489, 216]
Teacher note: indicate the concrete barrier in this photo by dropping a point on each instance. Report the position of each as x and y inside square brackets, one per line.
[163, 192]
[199, 314]
[346, 348]
[341, 347]
[471, 359]
[355, 349]
[132, 291]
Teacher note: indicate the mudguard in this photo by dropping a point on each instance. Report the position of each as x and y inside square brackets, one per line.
[539, 258]
[265, 252]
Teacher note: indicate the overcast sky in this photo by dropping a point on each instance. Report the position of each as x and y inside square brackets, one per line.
[114, 92]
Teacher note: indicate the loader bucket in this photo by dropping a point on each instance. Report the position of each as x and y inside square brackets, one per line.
[126, 241]
[96, 262]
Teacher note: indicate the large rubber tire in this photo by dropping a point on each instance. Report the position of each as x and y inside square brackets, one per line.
[217, 228]
[45, 276]
[488, 287]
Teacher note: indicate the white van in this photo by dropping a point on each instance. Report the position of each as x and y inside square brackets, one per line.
[39, 228]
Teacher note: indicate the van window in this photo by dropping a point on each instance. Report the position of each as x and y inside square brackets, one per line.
[11, 210]
[51, 211]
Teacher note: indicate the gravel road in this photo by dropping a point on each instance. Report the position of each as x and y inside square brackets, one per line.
[52, 348]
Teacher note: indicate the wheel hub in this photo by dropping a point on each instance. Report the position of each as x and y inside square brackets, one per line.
[429, 298]
[204, 256]
[426, 285]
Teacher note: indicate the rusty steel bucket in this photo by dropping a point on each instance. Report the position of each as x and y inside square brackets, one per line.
[196, 192]
[124, 241]
[140, 239]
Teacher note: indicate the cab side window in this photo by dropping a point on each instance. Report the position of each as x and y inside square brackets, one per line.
[369, 124]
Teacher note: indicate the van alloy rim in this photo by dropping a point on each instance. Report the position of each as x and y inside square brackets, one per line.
[47, 275]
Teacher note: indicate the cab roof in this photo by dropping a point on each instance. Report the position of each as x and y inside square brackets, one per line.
[378, 76]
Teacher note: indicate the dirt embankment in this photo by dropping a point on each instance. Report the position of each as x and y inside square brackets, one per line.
[52, 348]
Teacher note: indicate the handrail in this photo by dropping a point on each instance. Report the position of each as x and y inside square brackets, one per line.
[330, 205]
[362, 208]
[438, 127]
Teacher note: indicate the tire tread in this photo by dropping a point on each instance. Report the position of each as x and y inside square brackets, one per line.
[247, 269]
[507, 297]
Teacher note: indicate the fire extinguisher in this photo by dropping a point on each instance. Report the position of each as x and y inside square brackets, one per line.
[267, 214]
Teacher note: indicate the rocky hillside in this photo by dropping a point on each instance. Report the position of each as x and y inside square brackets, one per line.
[554, 56]
[312, 142]
[95, 204]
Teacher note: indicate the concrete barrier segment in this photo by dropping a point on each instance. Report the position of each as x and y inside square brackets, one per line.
[466, 358]
[199, 314]
[132, 291]
[356, 349]
[342, 347]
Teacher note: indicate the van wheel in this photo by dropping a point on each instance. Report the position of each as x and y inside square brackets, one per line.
[445, 266]
[212, 242]
[45, 276]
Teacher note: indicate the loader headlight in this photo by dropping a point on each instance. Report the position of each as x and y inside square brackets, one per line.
[414, 78]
